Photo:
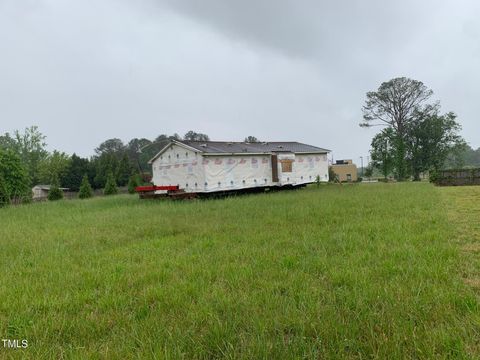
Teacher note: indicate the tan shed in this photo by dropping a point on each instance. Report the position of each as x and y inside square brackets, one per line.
[345, 170]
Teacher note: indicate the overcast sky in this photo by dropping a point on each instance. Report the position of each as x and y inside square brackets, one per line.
[85, 71]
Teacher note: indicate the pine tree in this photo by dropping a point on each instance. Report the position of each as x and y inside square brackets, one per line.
[133, 182]
[85, 191]
[55, 192]
[124, 170]
[110, 185]
[77, 168]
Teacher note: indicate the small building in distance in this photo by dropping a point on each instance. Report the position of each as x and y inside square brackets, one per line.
[40, 192]
[345, 170]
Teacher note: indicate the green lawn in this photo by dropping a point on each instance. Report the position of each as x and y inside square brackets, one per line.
[363, 271]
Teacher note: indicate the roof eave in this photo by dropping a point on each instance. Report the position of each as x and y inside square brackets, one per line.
[325, 151]
[234, 153]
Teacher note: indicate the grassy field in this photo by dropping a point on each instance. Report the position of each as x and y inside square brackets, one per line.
[363, 271]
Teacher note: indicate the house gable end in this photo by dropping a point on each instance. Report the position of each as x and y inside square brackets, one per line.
[171, 143]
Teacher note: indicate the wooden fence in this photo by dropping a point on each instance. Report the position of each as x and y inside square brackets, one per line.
[458, 177]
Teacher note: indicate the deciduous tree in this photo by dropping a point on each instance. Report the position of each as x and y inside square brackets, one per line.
[430, 139]
[140, 151]
[394, 105]
[251, 139]
[383, 151]
[30, 147]
[14, 176]
[194, 136]
[111, 146]
[54, 165]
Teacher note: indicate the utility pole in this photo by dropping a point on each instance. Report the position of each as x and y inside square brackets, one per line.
[385, 165]
[361, 159]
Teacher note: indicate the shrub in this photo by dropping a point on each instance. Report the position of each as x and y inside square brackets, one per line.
[133, 182]
[369, 171]
[110, 185]
[85, 191]
[332, 177]
[55, 192]
[433, 176]
[145, 178]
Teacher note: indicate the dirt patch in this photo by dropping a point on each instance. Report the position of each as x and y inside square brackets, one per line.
[472, 247]
[474, 283]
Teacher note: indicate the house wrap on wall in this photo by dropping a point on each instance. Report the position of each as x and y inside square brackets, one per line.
[209, 166]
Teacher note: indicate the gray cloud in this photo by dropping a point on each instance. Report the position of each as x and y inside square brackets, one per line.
[286, 70]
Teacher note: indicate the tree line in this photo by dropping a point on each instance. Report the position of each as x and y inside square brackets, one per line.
[25, 162]
[469, 158]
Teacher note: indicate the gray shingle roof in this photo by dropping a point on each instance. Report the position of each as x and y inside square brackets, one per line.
[225, 147]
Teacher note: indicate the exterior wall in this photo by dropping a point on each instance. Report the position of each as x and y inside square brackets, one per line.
[342, 172]
[236, 172]
[178, 166]
[39, 193]
[240, 172]
[308, 166]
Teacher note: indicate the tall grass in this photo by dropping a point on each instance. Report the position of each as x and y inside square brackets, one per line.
[331, 272]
